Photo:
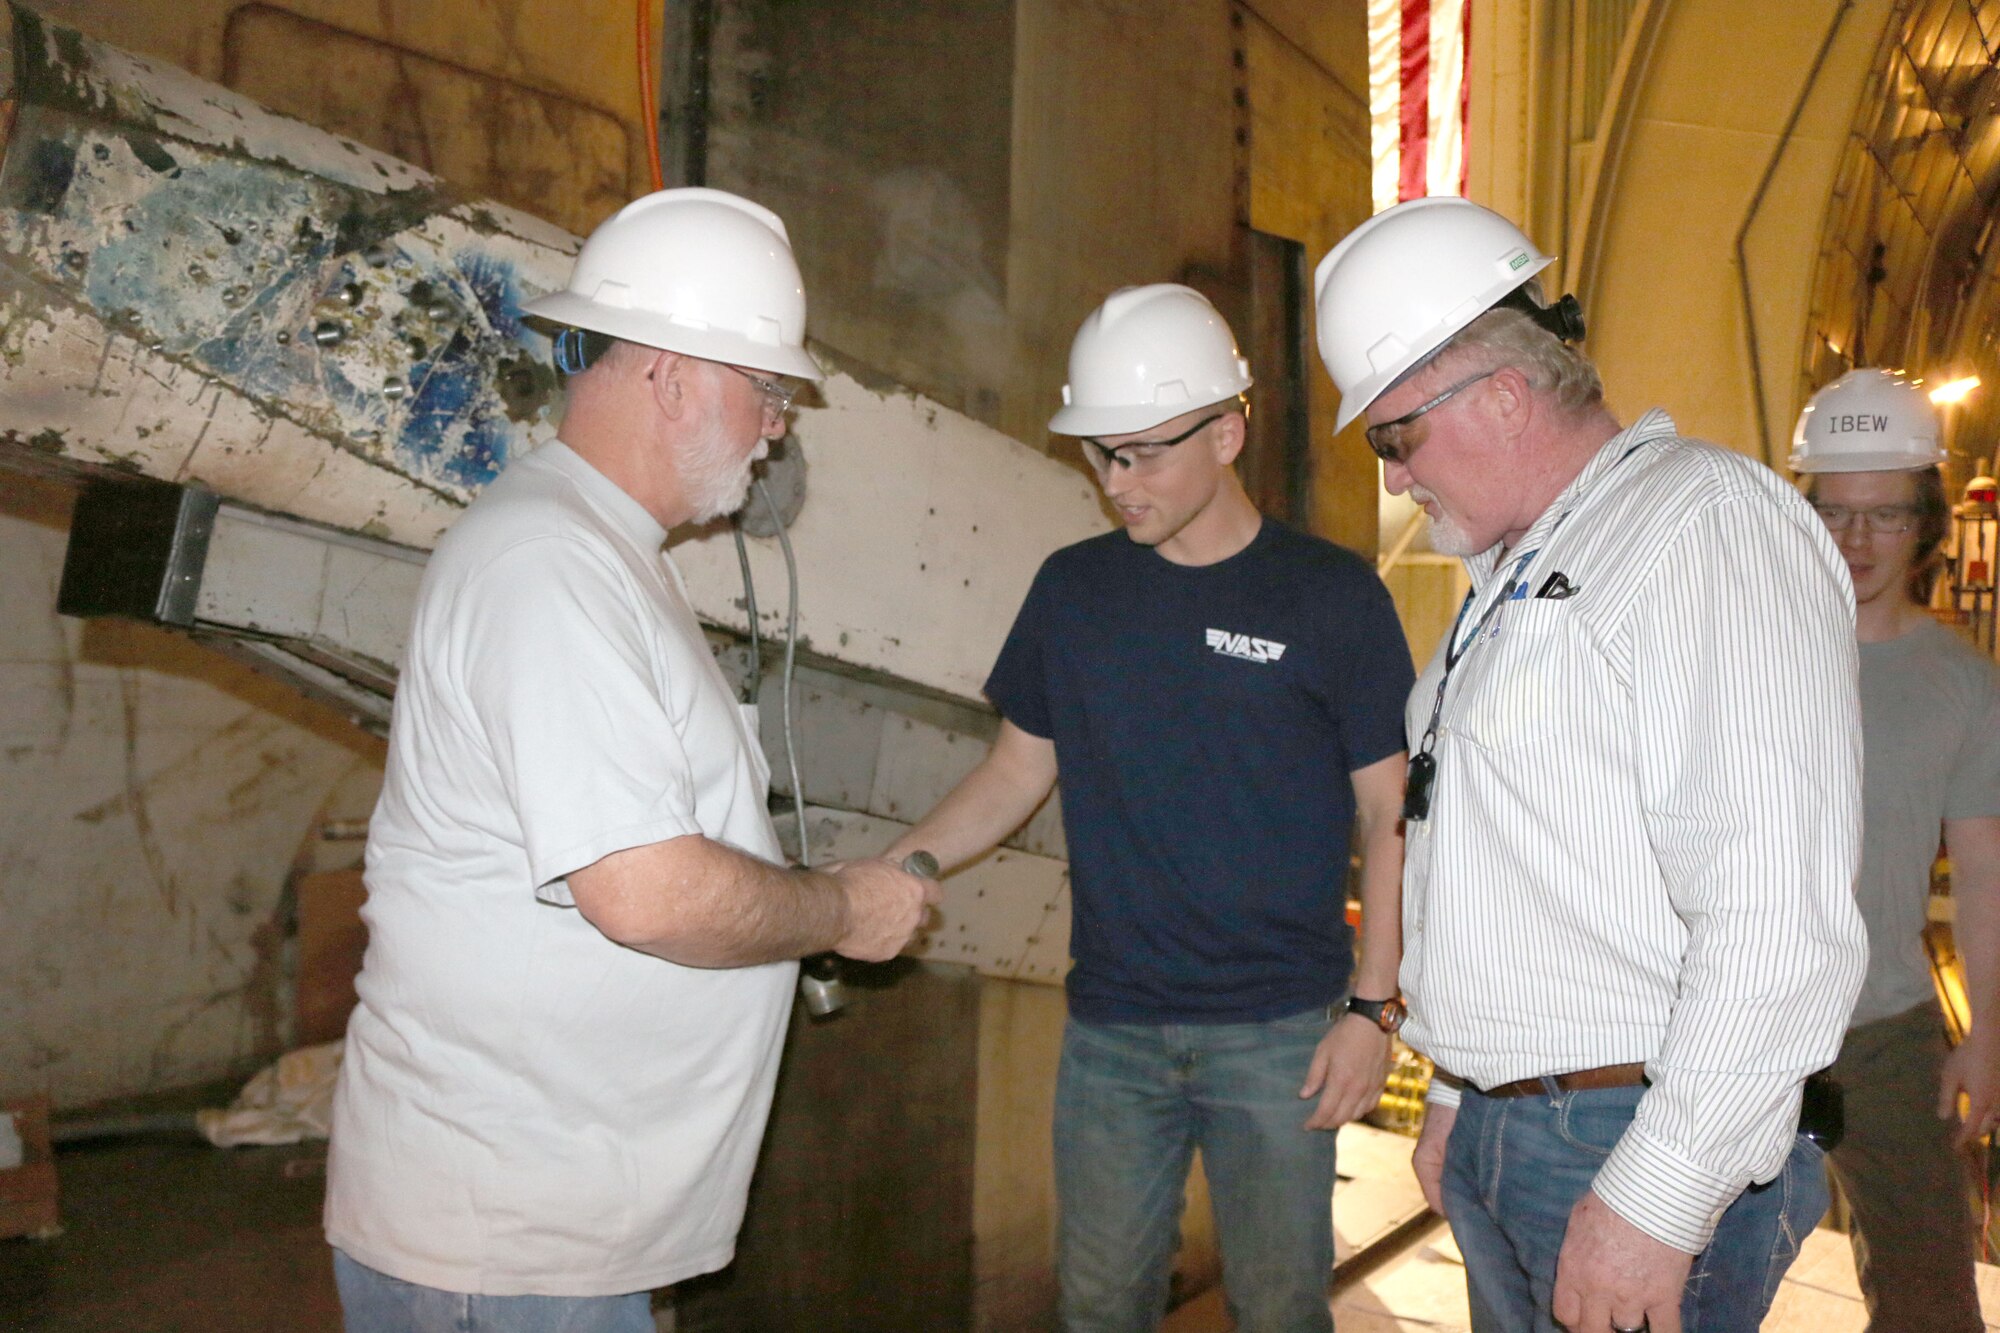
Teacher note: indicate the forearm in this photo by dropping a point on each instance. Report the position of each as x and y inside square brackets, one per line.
[701, 903]
[1975, 895]
[991, 802]
[1378, 793]
[1381, 934]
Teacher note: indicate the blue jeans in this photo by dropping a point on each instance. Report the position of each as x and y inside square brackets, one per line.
[1515, 1166]
[373, 1302]
[1133, 1102]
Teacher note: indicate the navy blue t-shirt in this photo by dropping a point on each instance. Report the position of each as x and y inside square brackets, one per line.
[1206, 719]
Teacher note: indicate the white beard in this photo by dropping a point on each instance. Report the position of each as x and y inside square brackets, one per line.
[1447, 536]
[716, 478]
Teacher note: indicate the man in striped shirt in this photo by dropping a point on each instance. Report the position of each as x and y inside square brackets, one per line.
[1634, 804]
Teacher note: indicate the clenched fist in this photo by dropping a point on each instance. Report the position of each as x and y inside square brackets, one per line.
[886, 906]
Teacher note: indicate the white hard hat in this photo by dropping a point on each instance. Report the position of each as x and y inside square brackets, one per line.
[702, 272]
[1406, 280]
[1147, 355]
[1867, 421]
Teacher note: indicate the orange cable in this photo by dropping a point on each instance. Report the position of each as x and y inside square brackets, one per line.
[651, 126]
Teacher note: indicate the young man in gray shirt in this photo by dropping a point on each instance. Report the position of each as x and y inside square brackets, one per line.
[1930, 711]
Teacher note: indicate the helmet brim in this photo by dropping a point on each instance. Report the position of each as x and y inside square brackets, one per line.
[1899, 461]
[650, 330]
[1125, 418]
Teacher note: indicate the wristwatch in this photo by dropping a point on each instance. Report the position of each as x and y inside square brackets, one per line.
[1385, 1014]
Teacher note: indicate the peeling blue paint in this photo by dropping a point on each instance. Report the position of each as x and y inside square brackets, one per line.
[425, 360]
[495, 284]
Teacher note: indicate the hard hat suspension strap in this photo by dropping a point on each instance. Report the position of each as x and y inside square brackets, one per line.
[1563, 318]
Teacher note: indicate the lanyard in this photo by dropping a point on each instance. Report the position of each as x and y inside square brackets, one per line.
[1424, 764]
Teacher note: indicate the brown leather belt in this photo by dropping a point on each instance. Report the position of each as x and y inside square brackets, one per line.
[1583, 1080]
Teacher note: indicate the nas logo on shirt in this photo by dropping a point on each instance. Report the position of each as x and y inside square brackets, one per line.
[1245, 647]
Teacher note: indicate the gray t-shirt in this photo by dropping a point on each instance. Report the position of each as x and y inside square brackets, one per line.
[1930, 722]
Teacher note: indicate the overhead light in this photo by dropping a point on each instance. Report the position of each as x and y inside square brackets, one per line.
[1954, 392]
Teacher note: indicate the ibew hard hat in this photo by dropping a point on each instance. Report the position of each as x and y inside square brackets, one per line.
[1868, 420]
[1145, 356]
[1403, 282]
[701, 272]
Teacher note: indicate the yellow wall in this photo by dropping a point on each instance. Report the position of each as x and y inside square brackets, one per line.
[1662, 287]
[1644, 200]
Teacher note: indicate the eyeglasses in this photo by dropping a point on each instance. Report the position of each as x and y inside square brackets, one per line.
[778, 393]
[1142, 456]
[1879, 521]
[1387, 439]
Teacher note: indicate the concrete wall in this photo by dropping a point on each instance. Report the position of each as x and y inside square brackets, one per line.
[880, 131]
[153, 800]
[1309, 182]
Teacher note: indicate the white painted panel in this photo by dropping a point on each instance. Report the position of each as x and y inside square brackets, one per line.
[920, 534]
[1007, 914]
[278, 578]
[264, 579]
[80, 391]
[918, 766]
[367, 602]
[838, 738]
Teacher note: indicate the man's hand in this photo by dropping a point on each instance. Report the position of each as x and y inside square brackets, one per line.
[886, 906]
[1973, 1068]
[1347, 1071]
[1428, 1160]
[1612, 1275]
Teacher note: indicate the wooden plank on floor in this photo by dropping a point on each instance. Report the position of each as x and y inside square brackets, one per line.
[1376, 1193]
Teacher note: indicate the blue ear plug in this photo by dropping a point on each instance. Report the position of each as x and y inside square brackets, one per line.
[570, 358]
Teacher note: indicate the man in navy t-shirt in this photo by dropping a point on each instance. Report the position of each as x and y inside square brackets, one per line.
[1223, 697]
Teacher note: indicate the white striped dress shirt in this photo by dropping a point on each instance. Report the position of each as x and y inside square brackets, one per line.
[1646, 819]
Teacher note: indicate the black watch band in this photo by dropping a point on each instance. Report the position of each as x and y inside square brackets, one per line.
[1385, 1014]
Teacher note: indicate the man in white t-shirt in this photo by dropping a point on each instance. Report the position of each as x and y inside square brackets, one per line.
[581, 942]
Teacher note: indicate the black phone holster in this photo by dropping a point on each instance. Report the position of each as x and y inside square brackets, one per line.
[1822, 1110]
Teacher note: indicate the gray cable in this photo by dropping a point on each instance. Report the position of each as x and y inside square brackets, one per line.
[755, 685]
[791, 651]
